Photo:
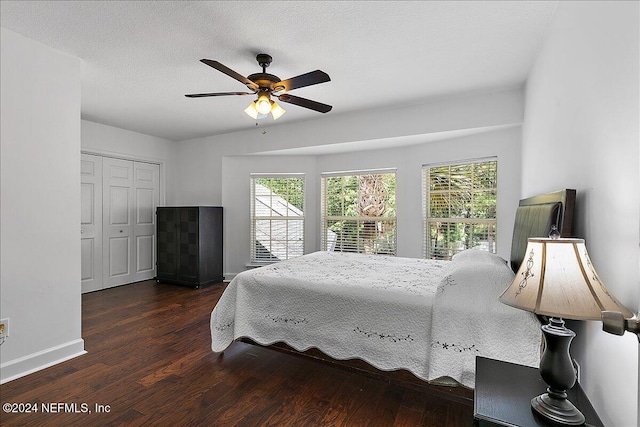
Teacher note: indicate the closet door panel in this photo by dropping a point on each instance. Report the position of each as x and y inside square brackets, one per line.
[118, 221]
[119, 248]
[91, 222]
[144, 254]
[118, 209]
[147, 194]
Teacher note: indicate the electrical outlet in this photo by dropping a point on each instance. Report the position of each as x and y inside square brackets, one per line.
[4, 328]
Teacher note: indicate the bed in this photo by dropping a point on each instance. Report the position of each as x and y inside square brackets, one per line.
[430, 318]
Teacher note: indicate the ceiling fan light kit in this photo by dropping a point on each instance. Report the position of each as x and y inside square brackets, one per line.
[263, 104]
[252, 111]
[276, 110]
[266, 85]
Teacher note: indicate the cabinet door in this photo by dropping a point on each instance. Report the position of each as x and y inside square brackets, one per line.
[168, 243]
[211, 244]
[189, 242]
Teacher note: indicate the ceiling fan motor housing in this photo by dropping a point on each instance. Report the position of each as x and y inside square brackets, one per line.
[264, 79]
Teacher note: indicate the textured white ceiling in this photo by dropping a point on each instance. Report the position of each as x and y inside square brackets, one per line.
[141, 57]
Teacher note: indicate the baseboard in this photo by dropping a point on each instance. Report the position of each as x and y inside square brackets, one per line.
[229, 277]
[31, 363]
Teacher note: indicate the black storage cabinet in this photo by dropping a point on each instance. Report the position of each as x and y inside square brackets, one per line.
[189, 245]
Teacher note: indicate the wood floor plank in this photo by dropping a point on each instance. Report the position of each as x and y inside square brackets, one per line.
[436, 412]
[414, 400]
[150, 362]
[387, 408]
[316, 384]
[408, 417]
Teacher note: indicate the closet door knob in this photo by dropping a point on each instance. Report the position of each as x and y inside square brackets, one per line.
[121, 231]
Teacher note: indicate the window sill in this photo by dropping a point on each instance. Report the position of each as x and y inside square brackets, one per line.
[258, 264]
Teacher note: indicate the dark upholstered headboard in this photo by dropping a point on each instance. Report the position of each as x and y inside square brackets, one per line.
[536, 215]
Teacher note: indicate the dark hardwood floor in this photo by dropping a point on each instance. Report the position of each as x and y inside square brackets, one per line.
[149, 363]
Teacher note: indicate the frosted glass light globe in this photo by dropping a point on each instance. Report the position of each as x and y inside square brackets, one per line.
[263, 105]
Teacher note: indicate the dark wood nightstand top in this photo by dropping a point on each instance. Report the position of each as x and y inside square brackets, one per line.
[504, 391]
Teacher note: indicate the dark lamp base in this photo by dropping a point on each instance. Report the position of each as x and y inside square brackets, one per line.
[557, 371]
[560, 411]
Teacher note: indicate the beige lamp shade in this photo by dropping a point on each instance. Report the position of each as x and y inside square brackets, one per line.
[557, 279]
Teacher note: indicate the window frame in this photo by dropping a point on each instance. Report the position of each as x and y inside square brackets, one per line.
[327, 244]
[492, 237]
[254, 258]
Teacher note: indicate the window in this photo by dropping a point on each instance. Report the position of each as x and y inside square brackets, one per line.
[460, 207]
[277, 217]
[359, 212]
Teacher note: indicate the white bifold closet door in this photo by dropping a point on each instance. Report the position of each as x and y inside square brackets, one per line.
[91, 222]
[129, 197]
[118, 212]
[146, 179]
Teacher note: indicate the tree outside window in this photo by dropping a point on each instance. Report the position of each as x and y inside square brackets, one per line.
[359, 213]
[460, 208]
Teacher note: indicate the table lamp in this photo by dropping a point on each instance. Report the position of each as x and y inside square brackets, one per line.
[557, 279]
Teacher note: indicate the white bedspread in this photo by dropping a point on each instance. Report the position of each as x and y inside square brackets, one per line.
[431, 318]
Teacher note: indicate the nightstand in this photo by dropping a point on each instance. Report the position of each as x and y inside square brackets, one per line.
[504, 391]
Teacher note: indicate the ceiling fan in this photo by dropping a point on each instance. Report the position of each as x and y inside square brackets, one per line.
[266, 85]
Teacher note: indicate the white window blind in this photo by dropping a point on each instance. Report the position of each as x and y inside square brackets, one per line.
[277, 217]
[460, 204]
[359, 211]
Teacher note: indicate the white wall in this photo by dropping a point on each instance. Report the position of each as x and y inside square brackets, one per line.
[200, 161]
[581, 131]
[39, 206]
[110, 141]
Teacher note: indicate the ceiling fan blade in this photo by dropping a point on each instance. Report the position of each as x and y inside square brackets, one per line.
[202, 95]
[229, 72]
[306, 103]
[308, 79]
